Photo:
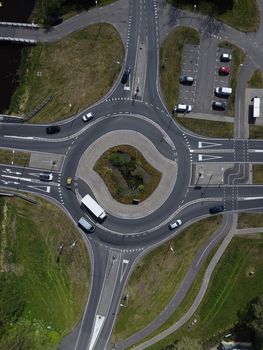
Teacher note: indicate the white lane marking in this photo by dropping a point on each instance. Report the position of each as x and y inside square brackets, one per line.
[256, 150]
[19, 137]
[9, 171]
[96, 331]
[248, 198]
[208, 144]
[202, 157]
[124, 267]
[18, 178]
[42, 188]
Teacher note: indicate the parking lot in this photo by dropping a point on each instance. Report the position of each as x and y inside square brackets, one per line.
[189, 68]
[220, 80]
[205, 67]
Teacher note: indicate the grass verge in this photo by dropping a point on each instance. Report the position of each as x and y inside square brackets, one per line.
[230, 289]
[14, 157]
[76, 71]
[137, 167]
[257, 171]
[247, 220]
[256, 80]
[256, 131]
[170, 62]
[158, 276]
[243, 15]
[237, 59]
[208, 127]
[44, 282]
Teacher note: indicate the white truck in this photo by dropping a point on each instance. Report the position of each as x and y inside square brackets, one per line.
[94, 207]
[256, 107]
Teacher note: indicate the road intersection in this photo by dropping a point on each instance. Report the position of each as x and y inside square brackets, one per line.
[120, 242]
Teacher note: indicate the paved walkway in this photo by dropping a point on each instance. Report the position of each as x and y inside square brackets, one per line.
[167, 167]
[213, 117]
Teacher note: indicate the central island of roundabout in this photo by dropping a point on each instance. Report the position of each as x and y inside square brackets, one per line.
[166, 167]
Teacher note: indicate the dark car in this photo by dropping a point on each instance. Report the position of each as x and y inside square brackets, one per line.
[125, 76]
[224, 70]
[216, 209]
[219, 106]
[187, 80]
[46, 177]
[53, 129]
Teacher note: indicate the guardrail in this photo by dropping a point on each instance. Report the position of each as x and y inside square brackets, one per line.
[18, 40]
[23, 25]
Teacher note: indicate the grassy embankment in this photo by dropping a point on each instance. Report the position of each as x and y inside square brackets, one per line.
[171, 59]
[158, 276]
[44, 282]
[16, 158]
[243, 15]
[77, 71]
[231, 288]
[256, 131]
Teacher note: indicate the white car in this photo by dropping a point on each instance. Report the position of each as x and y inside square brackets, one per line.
[182, 108]
[225, 57]
[176, 224]
[88, 116]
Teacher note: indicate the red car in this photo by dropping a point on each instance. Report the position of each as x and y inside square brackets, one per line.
[224, 70]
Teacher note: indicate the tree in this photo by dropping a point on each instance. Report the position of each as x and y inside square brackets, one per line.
[253, 320]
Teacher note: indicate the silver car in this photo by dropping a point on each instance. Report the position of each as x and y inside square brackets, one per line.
[176, 224]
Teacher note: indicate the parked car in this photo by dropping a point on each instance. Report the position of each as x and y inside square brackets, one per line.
[125, 76]
[180, 108]
[88, 116]
[224, 70]
[225, 57]
[69, 182]
[176, 224]
[187, 80]
[46, 177]
[52, 129]
[223, 91]
[219, 106]
[217, 209]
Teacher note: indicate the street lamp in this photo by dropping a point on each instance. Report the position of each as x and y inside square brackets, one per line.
[194, 7]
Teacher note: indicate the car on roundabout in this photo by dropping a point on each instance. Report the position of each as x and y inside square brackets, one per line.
[88, 116]
[217, 209]
[52, 129]
[174, 225]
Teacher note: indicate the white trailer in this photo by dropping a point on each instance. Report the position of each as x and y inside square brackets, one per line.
[256, 107]
[94, 207]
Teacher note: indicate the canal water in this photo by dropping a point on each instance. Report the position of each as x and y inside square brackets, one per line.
[10, 54]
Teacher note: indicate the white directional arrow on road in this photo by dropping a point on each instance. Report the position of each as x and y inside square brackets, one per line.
[205, 157]
[208, 144]
[9, 171]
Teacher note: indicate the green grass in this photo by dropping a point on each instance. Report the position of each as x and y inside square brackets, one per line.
[230, 289]
[77, 71]
[53, 287]
[208, 127]
[256, 80]
[257, 171]
[18, 158]
[158, 276]
[247, 220]
[243, 15]
[170, 62]
[256, 131]
[237, 59]
[114, 184]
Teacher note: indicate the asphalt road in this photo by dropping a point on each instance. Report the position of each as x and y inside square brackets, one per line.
[118, 243]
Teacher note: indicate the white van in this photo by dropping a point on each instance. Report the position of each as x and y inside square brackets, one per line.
[86, 225]
[223, 91]
[256, 107]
